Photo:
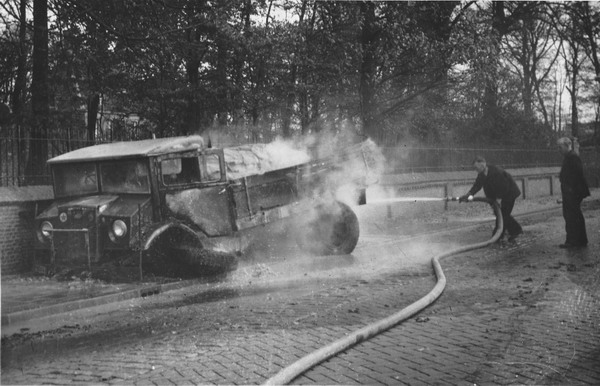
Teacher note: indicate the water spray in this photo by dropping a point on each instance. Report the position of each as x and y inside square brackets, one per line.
[414, 199]
[289, 373]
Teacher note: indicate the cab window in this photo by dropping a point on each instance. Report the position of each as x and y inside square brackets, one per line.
[129, 176]
[75, 179]
[180, 171]
[211, 168]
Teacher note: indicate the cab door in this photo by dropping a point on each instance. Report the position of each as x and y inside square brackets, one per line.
[194, 190]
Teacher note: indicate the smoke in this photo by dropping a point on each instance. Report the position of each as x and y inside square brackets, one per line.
[256, 159]
[339, 165]
[380, 192]
[341, 162]
[352, 163]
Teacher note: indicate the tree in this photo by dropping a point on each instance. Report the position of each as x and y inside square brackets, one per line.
[504, 18]
[572, 24]
[587, 16]
[430, 72]
[19, 91]
[532, 52]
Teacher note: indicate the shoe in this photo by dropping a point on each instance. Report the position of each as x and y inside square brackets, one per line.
[512, 238]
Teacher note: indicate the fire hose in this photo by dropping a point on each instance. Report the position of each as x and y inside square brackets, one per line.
[292, 371]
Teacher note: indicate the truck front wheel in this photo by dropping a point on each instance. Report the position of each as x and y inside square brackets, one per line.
[178, 255]
[332, 230]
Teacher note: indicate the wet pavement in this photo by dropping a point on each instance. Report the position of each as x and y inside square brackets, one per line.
[522, 313]
[30, 295]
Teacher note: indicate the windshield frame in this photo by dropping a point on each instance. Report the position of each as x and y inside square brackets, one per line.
[75, 179]
[128, 176]
[89, 178]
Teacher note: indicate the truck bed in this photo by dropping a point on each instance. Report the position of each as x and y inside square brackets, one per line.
[275, 194]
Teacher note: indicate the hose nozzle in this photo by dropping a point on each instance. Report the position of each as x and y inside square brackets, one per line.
[464, 198]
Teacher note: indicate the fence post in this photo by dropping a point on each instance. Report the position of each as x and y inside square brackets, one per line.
[141, 252]
[525, 187]
[449, 192]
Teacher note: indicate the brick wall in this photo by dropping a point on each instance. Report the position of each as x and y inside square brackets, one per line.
[17, 208]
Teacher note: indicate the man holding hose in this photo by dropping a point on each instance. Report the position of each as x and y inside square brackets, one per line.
[497, 184]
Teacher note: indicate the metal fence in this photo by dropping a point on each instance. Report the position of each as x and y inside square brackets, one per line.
[399, 159]
[15, 143]
[14, 151]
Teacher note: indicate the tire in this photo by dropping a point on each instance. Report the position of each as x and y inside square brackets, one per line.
[177, 255]
[333, 230]
[204, 261]
[161, 260]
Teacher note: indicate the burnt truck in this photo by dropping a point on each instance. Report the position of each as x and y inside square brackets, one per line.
[177, 202]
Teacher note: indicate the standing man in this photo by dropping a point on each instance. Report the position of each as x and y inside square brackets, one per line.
[574, 189]
[497, 184]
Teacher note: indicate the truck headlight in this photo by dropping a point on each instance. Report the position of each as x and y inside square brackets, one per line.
[46, 229]
[119, 228]
[117, 231]
[44, 232]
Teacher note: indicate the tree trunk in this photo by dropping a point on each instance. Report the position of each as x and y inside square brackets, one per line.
[573, 93]
[574, 89]
[93, 99]
[291, 88]
[367, 71]
[259, 80]
[542, 107]
[20, 82]
[222, 83]
[92, 107]
[35, 170]
[18, 97]
[239, 60]
[288, 108]
[490, 98]
[526, 52]
[192, 121]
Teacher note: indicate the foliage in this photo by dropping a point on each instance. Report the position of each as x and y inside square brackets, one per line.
[431, 72]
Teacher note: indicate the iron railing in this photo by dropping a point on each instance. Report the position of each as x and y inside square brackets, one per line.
[399, 159]
[15, 144]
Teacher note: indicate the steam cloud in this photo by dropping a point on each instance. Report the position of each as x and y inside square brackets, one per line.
[352, 164]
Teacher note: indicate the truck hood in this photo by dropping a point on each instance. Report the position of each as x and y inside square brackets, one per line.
[107, 205]
[90, 202]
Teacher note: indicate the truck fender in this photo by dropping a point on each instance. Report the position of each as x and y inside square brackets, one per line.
[156, 231]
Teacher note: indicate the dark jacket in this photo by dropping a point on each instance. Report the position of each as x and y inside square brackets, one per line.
[572, 181]
[498, 184]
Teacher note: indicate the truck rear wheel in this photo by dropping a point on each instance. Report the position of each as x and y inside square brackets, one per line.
[333, 230]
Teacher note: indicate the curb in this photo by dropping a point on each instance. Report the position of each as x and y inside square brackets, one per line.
[36, 313]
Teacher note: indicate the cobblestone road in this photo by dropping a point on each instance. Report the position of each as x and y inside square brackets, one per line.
[526, 313]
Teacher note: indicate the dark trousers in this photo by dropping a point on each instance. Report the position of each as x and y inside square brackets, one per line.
[510, 224]
[574, 221]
